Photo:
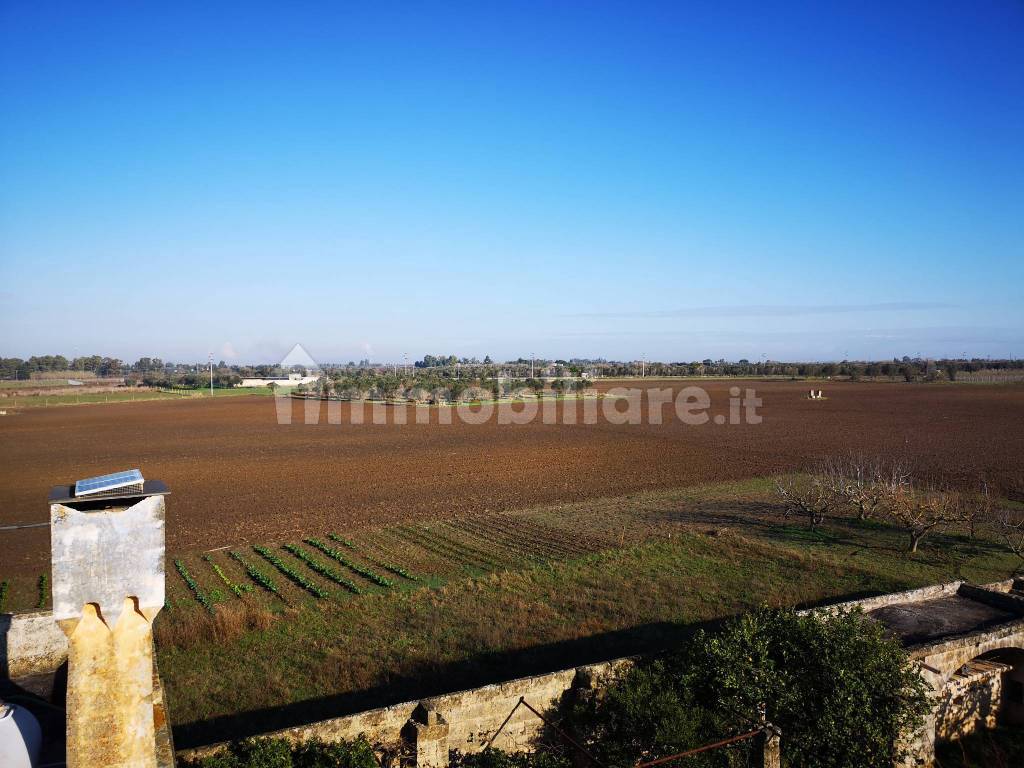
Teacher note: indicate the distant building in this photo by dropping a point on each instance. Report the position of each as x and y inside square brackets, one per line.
[291, 380]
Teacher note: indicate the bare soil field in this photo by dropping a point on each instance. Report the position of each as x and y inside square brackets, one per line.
[237, 476]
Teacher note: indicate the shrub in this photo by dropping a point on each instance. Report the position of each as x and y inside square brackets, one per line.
[496, 758]
[840, 689]
[279, 753]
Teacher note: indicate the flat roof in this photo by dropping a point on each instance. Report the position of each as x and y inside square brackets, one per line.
[926, 621]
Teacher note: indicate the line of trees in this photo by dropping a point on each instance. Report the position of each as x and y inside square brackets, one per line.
[431, 386]
[889, 491]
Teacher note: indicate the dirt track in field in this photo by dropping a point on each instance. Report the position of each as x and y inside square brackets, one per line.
[238, 476]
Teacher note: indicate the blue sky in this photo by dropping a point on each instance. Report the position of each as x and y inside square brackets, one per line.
[672, 180]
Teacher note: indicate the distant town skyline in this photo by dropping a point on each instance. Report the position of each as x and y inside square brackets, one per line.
[603, 180]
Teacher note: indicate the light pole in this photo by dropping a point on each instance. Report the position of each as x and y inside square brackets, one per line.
[211, 374]
[531, 365]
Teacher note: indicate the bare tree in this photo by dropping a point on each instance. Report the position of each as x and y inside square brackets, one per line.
[811, 497]
[1011, 528]
[923, 511]
[979, 510]
[867, 485]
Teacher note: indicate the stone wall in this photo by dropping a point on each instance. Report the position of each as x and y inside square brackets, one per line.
[471, 717]
[970, 700]
[30, 644]
[881, 601]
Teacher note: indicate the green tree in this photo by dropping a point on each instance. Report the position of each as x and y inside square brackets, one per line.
[840, 689]
[455, 390]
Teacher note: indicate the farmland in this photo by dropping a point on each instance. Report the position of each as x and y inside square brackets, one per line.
[316, 569]
[238, 477]
[326, 628]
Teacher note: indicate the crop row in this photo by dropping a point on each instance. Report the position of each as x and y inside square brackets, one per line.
[200, 596]
[521, 534]
[44, 590]
[363, 571]
[322, 568]
[256, 574]
[441, 549]
[238, 589]
[395, 569]
[290, 572]
[499, 556]
[434, 537]
[522, 547]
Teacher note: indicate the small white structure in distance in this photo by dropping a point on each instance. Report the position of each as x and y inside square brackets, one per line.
[291, 380]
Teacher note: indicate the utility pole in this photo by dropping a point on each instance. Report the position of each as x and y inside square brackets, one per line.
[643, 366]
[211, 374]
[531, 365]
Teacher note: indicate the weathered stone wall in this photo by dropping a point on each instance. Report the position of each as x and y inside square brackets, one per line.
[31, 644]
[471, 716]
[910, 596]
[970, 700]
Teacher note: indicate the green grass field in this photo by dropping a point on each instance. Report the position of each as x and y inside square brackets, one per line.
[33, 383]
[507, 594]
[127, 395]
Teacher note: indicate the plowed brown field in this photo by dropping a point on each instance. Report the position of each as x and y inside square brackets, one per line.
[238, 476]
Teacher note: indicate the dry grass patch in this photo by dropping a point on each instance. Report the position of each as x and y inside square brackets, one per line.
[184, 630]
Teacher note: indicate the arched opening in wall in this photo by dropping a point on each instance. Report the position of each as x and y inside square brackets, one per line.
[986, 691]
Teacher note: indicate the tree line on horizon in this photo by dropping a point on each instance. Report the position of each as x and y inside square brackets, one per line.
[450, 366]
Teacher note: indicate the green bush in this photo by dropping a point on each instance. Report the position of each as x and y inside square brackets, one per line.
[840, 689]
[279, 753]
[495, 758]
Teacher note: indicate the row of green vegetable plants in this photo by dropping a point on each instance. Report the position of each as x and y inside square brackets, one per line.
[192, 585]
[208, 599]
[44, 590]
[362, 570]
[395, 569]
[290, 572]
[238, 589]
[323, 569]
[256, 574]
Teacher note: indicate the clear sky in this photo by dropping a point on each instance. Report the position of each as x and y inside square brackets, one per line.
[674, 180]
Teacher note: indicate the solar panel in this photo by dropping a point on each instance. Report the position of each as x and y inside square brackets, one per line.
[126, 481]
